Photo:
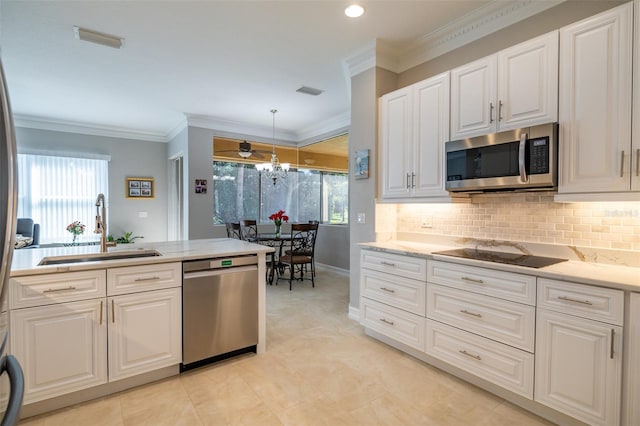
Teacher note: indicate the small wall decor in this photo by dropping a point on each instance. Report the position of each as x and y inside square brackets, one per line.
[361, 164]
[138, 187]
[201, 186]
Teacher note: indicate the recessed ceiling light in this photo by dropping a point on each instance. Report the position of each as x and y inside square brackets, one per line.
[354, 11]
[96, 37]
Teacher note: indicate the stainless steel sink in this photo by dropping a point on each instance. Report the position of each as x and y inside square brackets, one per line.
[95, 257]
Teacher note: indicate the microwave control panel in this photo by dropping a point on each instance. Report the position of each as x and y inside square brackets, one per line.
[539, 156]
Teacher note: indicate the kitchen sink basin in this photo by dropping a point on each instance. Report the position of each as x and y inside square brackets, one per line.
[95, 257]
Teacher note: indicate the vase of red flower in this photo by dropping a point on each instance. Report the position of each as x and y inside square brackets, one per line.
[76, 228]
[277, 219]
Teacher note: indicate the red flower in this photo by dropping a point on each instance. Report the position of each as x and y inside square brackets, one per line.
[278, 217]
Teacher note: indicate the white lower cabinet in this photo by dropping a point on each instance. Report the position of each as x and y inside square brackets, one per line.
[69, 333]
[497, 363]
[144, 332]
[579, 367]
[62, 348]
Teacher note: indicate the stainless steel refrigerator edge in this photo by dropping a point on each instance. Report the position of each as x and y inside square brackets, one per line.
[8, 203]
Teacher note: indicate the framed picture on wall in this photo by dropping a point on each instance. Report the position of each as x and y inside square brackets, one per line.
[361, 164]
[138, 187]
[201, 186]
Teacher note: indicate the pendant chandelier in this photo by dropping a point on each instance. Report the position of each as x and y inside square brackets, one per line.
[274, 169]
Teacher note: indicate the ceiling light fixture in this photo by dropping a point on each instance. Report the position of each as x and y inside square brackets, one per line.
[354, 11]
[274, 169]
[244, 154]
[96, 37]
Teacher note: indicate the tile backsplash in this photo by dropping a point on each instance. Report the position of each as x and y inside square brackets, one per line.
[533, 218]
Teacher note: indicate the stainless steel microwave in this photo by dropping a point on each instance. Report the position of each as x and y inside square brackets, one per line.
[521, 159]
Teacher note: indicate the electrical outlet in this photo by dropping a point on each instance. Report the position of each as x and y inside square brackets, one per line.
[143, 214]
[361, 218]
[427, 222]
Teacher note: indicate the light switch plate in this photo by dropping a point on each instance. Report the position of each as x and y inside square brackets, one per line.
[361, 218]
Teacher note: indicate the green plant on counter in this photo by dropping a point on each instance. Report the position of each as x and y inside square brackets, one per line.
[127, 238]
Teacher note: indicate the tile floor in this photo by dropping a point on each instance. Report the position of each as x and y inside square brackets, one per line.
[319, 369]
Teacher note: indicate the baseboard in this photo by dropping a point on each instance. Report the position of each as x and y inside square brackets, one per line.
[354, 313]
[335, 269]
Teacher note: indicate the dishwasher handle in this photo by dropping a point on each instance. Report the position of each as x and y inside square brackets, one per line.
[218, 272]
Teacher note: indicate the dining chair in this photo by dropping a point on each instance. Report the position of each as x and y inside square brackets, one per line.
[249, 230]
[301, 253]
[233, 230]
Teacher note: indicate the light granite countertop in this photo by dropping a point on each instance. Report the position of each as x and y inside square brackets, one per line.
[605, 275]
[25, 261]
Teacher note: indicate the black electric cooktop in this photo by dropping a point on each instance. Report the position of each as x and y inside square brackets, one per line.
[519, 259]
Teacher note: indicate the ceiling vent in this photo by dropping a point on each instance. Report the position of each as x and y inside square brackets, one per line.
[309, 91]
[96, 37]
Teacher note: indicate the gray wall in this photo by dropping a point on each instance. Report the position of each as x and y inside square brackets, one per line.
[128, 158]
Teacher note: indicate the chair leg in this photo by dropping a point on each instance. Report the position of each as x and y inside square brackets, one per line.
[291, 271]
[313, 275]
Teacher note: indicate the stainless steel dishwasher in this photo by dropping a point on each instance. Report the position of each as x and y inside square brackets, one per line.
[219, 308]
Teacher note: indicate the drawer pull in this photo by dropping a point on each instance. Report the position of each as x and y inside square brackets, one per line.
[147, 279]
[613, 335]
[388, 290]
[568, 299]
[464, 311]
[113, 312]
[472, 280]
[393, 265]
[53, 290]
[463, 352]
[386, 321]
[101, 304]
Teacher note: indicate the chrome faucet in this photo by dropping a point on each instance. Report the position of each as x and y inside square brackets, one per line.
[101, 224]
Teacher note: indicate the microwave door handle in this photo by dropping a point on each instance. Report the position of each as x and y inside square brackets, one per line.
[521, 151]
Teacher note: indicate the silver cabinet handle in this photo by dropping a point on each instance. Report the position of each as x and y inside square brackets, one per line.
[499, 110]
[622, 164]
[386, 321]
[463, 352]
[388, 290]
[490, 112]
[393, 265]
[613, 335]
[638, 162]
[464, 311]
[408, 180]
[113, 312]
[473, 280]
[413, 180]
[147, 279]
[53, 290]
[101, 304]
[521, 157]
[568, 299]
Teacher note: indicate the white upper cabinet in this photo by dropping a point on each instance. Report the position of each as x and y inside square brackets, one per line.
[595, 103]
[414, 125]
[514, 88]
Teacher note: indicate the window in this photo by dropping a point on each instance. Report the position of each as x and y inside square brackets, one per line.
[55, 191]
[241, 192]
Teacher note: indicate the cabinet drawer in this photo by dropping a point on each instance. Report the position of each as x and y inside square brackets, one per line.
[406, 266]
[133, 279]
[497, 363]
[403, 293]
[39, 290]
[596, 303]
[507, 322]
[402, 326]
[505, 285]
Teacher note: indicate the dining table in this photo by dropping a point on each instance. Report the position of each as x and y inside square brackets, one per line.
[276, 241]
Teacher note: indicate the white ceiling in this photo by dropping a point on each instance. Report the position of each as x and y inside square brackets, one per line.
[227, 61]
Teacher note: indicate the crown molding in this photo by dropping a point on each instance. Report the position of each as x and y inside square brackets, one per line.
[42, 123]
[361, 60]
[468, 28]
[213, 123]
[182, 124]
[330, 125]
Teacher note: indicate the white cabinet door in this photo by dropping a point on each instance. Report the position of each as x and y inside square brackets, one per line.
[528, 83]
[431, 131]
[62, 347]
[473, 102]
[579, 367]
[395, 142]
[144, 332]
[595, 103]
